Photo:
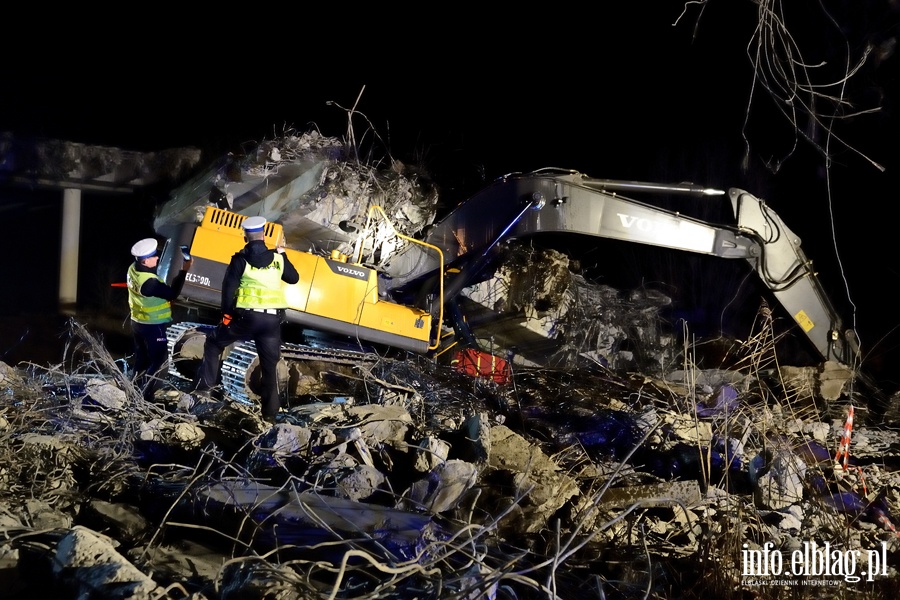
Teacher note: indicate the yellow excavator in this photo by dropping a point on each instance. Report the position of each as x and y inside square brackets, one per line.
[406, 295]
[336, 294]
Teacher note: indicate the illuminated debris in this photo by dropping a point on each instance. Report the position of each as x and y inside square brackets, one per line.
[359, 482]
[9, 376]
[443, 487]
[308, 183]
[826, 382]
[588, 453]
[88, 563]
[723, 401]
[686, 493]
[780, 480]
[530, 475]
[182, 435]
[382, 425]
[273, 516]
[535, 300]
[433, 452]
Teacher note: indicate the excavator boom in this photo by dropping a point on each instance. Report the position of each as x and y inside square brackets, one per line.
[524, 205]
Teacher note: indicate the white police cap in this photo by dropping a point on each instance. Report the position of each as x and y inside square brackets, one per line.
[253, 224]
[144, 248]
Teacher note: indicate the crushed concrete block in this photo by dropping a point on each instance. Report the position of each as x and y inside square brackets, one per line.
[360, 482]
[444, 486]
[90, 562]
[126, 520]
[430, 453]
[379, 424]
[539, 480]
[781, 483]
[9, 376]
[833, 378]
[476, 431]
[106, 395]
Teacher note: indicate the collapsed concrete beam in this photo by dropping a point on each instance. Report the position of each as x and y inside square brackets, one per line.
[313, 516]
[64, 164]
[667, 493]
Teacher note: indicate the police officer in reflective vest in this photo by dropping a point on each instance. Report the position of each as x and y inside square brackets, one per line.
[149, 300]
[253, 305]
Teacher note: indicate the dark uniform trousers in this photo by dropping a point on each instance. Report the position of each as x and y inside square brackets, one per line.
[265, 331]
[151, 350]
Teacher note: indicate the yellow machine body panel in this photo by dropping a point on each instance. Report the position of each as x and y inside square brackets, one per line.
[220, 236]
[332, 295]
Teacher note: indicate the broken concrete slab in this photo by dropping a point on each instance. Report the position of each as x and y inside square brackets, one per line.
[324, 518]
[89, 563]
[685, 493]
[443, 487]
[541, 484]
[121, 521]
[782, 480]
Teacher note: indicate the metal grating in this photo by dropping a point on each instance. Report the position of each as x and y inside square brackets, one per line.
[220, 218]
[224, 218]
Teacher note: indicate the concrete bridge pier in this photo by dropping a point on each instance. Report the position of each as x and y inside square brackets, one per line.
[68, 260]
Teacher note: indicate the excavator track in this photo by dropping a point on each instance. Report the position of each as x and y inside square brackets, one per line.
[178, 335]
[242, 359]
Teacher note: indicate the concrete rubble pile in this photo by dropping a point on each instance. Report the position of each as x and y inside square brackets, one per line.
[539, 291]
[306, 182]
[409, 478]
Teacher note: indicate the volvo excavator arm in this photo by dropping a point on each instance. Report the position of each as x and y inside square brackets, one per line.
[523, 205]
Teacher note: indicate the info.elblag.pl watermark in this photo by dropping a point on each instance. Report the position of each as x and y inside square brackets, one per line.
[811, 564]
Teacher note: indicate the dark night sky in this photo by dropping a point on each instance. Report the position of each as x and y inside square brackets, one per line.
[513, 92]
[618, 93]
